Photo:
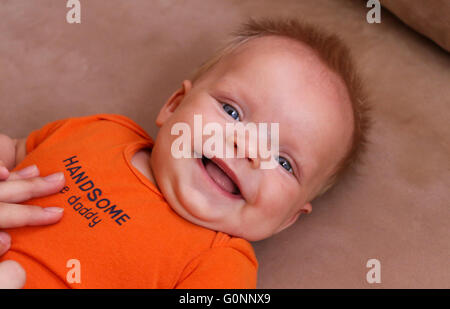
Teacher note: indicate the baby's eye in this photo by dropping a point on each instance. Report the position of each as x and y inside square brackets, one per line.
[230, 110]
[285, 164]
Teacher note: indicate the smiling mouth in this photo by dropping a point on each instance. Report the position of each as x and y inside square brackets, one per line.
[220, 177]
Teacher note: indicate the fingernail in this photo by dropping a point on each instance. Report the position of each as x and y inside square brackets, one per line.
[3, 170]
[28, 171]
[5, 239]
[54, 177]
[54, 209]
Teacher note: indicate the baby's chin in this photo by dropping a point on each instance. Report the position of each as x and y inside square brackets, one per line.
[196, 207]
[201, 206]
[205, 216]
[225, 223]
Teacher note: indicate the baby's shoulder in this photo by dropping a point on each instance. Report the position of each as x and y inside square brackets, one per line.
[223, 240]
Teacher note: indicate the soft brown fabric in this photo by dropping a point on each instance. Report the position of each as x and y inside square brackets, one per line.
[127, 57]
[430, 18]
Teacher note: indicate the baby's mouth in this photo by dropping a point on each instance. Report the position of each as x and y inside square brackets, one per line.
[220, 177]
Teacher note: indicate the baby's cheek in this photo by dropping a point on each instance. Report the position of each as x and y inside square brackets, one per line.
[277, 197]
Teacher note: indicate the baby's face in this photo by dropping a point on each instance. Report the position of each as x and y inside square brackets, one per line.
[267, 80]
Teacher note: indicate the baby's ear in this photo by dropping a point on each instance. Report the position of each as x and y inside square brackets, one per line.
[305, 209]
[173, 102]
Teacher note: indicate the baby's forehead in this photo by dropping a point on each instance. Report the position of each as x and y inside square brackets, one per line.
[276, 59]
[270, 66]
[274, 47]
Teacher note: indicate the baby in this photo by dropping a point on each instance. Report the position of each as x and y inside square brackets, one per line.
[137, 216]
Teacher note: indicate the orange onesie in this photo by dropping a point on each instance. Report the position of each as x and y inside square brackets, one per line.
[116, 223]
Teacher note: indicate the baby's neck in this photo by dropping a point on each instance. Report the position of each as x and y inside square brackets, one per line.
[141, 161]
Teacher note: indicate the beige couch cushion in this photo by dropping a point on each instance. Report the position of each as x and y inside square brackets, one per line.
[430, 18]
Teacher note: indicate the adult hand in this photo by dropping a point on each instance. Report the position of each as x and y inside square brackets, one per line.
[17, 187]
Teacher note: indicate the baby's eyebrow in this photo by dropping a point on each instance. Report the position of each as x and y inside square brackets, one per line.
[231, 89]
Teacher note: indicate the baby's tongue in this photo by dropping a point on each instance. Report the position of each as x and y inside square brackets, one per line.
[220, 177]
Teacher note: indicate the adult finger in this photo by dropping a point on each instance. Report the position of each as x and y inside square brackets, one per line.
[27, 172]
[4, 172]
[16, 215]
[24, 189]
[5, 242]
[12, 275]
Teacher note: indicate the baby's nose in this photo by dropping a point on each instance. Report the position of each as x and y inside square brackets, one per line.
[255, 162]
[245, 147]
